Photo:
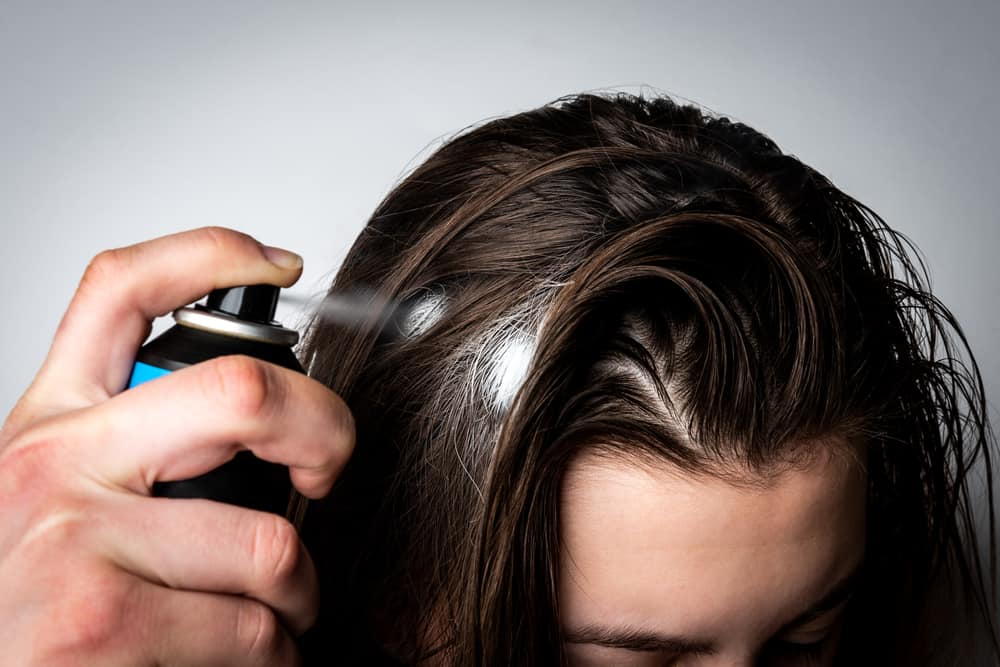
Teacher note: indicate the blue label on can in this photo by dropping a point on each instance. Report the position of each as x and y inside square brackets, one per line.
[144, 373]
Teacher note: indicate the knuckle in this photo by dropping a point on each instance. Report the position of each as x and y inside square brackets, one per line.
[257, 630]
[94, 616]
[224, 240]
[345, 431]
[242, 383]
[27, 463]
[52, 514]
[276, 551]
[24, 460]
[106, 269]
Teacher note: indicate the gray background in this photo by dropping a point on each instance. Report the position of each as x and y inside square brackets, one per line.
[121, 121]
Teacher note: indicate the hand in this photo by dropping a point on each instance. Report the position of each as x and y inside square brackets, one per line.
[96, 571]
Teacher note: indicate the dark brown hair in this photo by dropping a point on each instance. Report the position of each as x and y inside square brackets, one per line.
[663, 281]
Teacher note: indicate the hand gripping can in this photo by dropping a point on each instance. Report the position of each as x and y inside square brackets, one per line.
[236, 320]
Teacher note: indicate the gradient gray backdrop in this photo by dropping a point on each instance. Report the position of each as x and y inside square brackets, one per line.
[121, 121]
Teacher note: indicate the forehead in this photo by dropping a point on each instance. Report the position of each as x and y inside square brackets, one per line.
[698, 556]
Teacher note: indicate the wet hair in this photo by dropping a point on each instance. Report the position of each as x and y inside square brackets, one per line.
[653, 279]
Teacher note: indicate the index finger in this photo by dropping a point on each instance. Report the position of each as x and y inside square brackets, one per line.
[124, 289]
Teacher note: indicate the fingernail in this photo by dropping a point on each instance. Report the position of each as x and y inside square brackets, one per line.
[282, 258]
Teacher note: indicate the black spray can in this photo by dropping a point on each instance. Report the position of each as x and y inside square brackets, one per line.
[237, 320]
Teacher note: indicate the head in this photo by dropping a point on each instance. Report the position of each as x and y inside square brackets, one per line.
[663, 391]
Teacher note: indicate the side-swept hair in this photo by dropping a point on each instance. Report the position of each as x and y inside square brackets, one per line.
[654, 278]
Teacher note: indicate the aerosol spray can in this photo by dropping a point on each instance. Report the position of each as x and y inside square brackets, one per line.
[236, 320]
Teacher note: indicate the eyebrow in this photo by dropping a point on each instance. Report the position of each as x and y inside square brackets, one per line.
[634, 639]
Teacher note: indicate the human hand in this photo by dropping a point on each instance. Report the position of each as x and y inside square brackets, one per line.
[93, 569]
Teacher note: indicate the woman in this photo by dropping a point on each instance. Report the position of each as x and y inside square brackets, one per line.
[664, 395]
[628, 285]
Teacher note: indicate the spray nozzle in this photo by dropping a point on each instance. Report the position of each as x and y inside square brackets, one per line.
[254, 303]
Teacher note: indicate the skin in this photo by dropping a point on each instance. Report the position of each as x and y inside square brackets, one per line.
[728, 567]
